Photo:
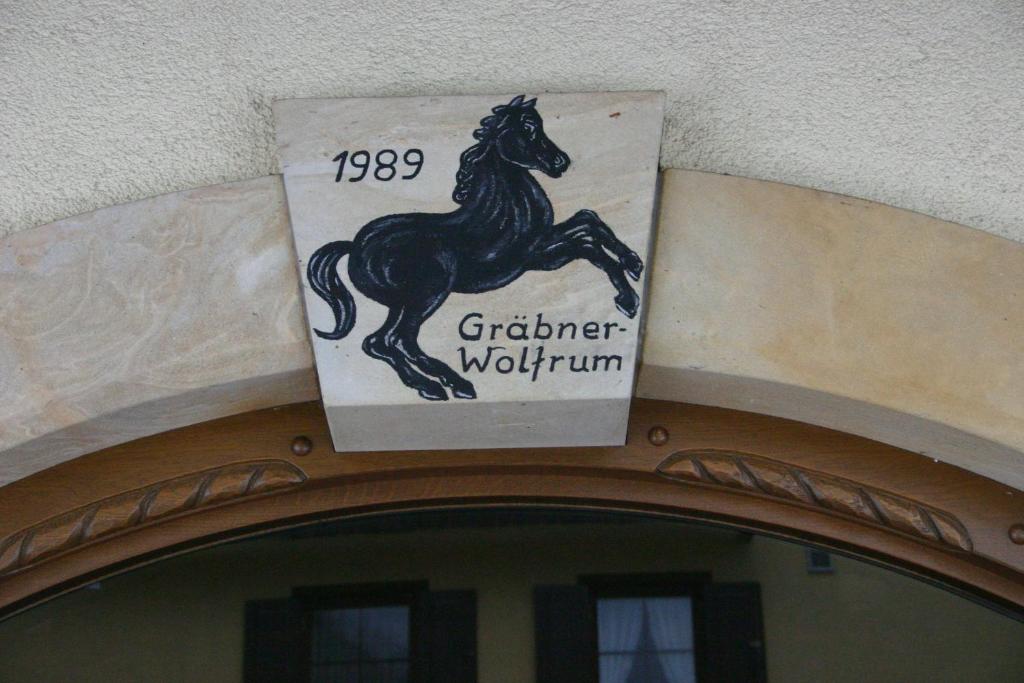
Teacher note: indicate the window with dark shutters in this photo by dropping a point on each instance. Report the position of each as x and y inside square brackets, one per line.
[670, 628]
[402, 633]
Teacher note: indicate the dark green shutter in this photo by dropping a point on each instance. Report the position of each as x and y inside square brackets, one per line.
[446, 630]
[734, 634]
[566, 634]
[275, 642]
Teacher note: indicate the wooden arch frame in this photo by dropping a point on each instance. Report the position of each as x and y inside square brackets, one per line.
[135, 503]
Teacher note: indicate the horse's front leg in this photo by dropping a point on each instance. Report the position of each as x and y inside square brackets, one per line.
[588, 222]
[582, 245]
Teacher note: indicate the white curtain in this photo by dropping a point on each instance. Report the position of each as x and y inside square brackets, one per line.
[671, 621]
[618, 629]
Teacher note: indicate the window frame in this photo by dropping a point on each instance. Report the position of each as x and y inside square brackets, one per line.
[692, 585]
[358, 596]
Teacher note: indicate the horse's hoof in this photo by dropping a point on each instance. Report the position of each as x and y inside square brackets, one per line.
[433, 392]
[460, 388]
[633, 266]
[628, 303]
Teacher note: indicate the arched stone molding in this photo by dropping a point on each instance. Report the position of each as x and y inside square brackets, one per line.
[146, 317]
[839, 312]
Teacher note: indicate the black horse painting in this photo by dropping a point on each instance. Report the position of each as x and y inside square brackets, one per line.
[504, 226]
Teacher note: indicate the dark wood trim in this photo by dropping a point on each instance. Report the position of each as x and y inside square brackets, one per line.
[138, 502]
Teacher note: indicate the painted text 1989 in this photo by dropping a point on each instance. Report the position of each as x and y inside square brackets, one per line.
[384, 164]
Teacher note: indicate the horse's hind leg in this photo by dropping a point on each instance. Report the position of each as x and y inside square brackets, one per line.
[383, 345]
[408, 344]
[581, 244]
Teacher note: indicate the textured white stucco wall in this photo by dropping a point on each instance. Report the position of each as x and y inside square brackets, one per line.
[917, 103]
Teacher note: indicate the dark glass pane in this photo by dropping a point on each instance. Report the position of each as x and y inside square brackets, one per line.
[336, 673]
[615, 668]
[671, 622]
[335, 635]
[647, 667]
[392, 672]
[631, 624]
[385, 633]
[645, 640]
[619, 623]
[678, 668]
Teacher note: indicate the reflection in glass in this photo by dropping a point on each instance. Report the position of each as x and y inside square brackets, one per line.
[361, 645]
[648, 640]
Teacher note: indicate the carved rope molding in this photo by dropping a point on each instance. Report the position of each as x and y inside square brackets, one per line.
[760, 476]
[143, 506]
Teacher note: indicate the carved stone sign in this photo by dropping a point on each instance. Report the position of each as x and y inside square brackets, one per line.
[473, 267]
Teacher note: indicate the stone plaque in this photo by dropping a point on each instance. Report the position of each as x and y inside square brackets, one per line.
[473, 267]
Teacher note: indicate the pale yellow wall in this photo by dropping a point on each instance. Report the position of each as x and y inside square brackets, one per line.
[181, 620]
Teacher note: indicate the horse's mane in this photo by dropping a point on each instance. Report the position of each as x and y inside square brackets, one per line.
[491, 127]
[467, 165]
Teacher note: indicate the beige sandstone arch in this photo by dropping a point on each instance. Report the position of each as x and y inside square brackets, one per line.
[141, 318]
[842, 313]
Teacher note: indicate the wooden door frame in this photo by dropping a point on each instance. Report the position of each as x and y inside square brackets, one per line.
[136, 503]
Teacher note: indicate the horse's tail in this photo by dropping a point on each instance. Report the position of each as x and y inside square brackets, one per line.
[322, 273]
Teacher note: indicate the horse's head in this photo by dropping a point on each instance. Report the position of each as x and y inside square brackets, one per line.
[517, 132]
